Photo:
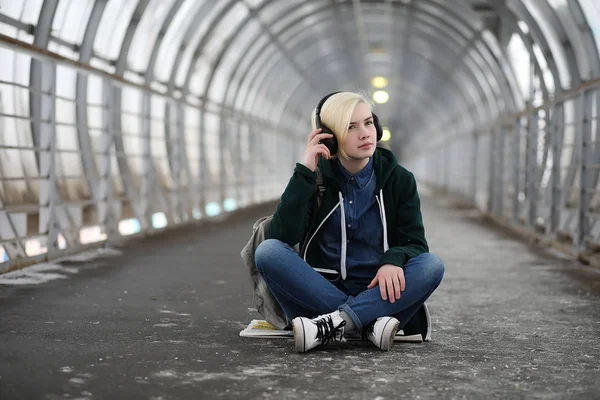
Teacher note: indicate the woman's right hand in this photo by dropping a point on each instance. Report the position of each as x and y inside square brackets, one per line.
[314, 149]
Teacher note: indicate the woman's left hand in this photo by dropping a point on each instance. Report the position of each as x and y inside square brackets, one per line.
[391, 282]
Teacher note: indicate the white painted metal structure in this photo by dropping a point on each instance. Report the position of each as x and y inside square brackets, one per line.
[121, 117]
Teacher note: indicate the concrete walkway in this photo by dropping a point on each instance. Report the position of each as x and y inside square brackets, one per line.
[161, 321]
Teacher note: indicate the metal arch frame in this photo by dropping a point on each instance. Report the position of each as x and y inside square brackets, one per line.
[41, 39]
[40, 75]
[253, 61]
[494, 65]
[583, 130]
[225, 49]
[527, 39]
[508, 17]
[574, 77]
[252, 15]
[353, 56]
[590, 49]
[189, 36]
[467, 25]
[460, 59]
[176, 155]
[149, 171]
[175, 147]
[588, 40]
[506, 83]
[115, 94]
[261, 68]
[535, 32]
[556, 23]
[428, 62]
[96, 186]
[52, 217]
[473, 77]
[511, 100]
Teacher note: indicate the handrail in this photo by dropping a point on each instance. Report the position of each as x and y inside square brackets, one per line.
[44, 54]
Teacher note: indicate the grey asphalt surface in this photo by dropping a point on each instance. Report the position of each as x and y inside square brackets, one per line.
[162, 321]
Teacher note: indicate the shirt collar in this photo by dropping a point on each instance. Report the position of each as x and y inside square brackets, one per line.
[359, 179]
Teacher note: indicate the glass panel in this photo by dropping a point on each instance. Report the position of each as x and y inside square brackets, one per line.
[276, 9]
[238, 47]
[221, 31]
[158, 145]
[573, 32]
[113, 25]
[26, 11]
[71, 19]
[553, 40]
[146, 33]
[189, 13]
[211, 146]
[518, 56]
[591, 9]
[298, 10]
[444, 14]
[192, 140]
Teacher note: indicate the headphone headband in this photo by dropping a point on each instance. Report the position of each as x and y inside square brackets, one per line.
[331, 143]
[319, 106]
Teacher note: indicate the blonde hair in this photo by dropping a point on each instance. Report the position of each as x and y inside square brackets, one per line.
[336, 114]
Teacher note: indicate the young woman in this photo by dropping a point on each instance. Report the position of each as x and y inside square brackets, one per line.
[364, 264]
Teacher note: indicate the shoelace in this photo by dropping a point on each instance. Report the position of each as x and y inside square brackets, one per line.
[367, 331]
[327, 332]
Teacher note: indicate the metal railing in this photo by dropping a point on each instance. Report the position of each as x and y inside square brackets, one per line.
[536, 170]
[72, 178]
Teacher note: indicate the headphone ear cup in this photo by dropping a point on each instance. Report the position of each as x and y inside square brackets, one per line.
[378, 127]
[331, 143]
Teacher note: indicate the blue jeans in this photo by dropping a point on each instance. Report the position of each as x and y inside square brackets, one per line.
[303, 292]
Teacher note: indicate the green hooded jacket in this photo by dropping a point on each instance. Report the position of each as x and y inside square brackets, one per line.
[293, 221]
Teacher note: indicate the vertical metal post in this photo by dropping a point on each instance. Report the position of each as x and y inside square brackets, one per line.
[492, 171]
[202, 164]
[557, 127]
[224, 141]
[147, 189]
[584, 177]
[516, 212]
[532, 190]
[48, 189]
[499, 191]
[474, 167]
[109, 211]
[174, 138]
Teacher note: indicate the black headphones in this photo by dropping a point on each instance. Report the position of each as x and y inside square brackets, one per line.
[332, 143]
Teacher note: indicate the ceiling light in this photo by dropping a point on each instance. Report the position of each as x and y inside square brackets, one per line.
[379, 82]
[381, 96]
[386, 134]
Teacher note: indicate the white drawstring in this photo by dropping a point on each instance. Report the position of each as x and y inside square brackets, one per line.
[316, 230]
[383, 220]
[344, 245]
[344, 234]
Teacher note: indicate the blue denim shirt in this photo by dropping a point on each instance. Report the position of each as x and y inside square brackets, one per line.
[364, 230]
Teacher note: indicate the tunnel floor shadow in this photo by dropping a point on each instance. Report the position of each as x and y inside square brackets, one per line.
[162, 320]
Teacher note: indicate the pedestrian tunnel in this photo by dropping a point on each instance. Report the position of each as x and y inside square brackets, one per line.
[122, 118]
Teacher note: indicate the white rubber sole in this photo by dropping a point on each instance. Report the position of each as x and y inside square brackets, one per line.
[388, 335]
[298, 329]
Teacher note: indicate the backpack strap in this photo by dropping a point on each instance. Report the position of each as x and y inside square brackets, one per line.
[320, 194]
[320, 187]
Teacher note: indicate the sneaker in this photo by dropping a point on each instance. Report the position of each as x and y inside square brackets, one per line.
[310, 333]
[382, 332]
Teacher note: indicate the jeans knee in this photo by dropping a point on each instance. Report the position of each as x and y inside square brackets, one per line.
[267, 253]
[434, 267]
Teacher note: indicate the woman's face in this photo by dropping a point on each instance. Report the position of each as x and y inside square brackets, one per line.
[362, 135]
